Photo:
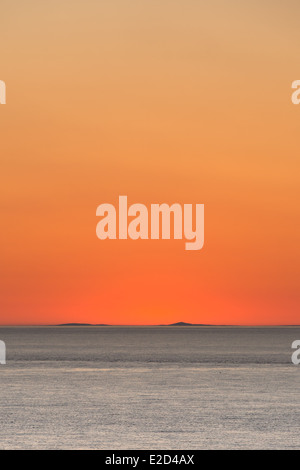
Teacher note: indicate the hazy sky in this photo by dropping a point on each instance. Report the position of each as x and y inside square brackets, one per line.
[163, 101]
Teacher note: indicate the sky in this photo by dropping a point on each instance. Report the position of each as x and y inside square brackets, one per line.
[162, 101]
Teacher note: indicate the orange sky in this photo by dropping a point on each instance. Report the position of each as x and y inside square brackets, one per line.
[163, 101]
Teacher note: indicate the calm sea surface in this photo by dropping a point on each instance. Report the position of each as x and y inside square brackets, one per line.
[149, 388]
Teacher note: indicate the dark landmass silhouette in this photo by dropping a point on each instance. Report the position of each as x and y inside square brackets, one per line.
[82, 324]
[180, 323]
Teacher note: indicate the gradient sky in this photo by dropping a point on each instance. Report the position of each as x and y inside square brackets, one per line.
[163, 101]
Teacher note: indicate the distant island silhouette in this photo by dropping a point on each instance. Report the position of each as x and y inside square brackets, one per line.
[82, 324]
[180, 323]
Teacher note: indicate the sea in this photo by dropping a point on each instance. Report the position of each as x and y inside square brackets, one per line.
[163, 388]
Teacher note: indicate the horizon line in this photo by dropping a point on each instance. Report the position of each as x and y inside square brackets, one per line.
[74, 324]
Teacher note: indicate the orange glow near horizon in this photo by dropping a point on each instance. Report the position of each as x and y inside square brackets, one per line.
[164, 102]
